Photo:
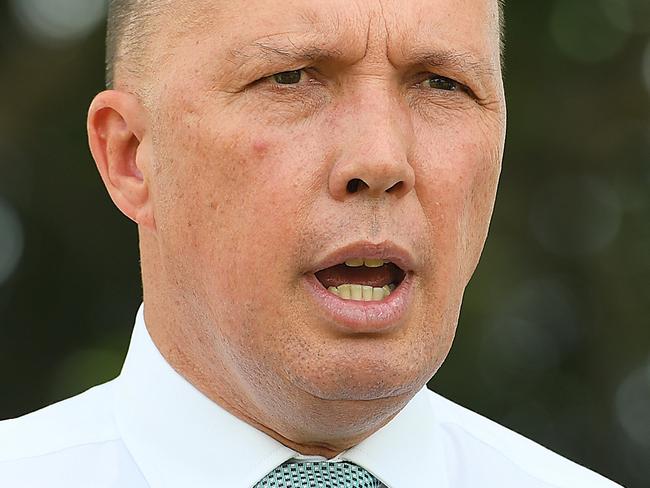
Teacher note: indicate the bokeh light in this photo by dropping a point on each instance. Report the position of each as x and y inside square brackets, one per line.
[633, 405]
[59, 20]
[11, 240]
[628, 15]
[583, 32]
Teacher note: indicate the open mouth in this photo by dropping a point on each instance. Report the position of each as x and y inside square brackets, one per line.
[362, 279]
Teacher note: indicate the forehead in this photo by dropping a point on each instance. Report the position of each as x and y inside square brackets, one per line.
[352, 27]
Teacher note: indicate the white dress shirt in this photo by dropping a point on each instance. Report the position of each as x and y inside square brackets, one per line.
[150, 427]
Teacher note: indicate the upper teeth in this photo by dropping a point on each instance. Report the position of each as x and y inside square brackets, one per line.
[369, 263]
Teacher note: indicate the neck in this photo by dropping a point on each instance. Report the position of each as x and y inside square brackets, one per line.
[307, 424]
[321, 427]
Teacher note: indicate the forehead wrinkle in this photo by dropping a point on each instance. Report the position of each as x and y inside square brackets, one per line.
[287, 48]
[426, 39]
[317, 35]
[316, 42]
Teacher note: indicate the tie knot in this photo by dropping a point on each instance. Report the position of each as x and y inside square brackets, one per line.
[318, 475]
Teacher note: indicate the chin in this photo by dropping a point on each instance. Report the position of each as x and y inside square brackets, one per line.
[359, 367]
[365, 393]
[359, 379]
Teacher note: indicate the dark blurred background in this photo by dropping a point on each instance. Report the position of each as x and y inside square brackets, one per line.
[554, 339]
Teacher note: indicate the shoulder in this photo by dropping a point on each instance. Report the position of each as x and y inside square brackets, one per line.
[496, 450]
[78, 421]
[71, 443]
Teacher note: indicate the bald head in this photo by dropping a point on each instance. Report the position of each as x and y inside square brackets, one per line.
[130, 26]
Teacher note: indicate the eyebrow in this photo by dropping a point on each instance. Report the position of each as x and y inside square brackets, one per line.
[290, 52]
[456, 61]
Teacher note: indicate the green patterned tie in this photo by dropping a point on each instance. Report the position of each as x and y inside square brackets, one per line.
[319, 475]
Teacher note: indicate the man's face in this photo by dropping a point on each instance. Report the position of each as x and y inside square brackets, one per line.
[382, 138]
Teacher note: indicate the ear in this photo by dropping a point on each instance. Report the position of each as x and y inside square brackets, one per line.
[117, 135]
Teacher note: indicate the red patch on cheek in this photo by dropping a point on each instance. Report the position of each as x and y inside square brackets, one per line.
[261, 148]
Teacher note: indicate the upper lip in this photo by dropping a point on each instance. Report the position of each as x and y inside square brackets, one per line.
[386, 250]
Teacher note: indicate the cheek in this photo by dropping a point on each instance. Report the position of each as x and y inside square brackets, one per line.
[452, 176]
[457, 187]
[240, 207]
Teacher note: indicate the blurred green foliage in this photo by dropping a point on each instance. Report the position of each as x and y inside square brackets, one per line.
[554, 339]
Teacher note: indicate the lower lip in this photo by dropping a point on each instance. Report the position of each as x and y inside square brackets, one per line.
[352, 316]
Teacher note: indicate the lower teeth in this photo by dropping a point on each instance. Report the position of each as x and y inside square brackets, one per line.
[362, 293]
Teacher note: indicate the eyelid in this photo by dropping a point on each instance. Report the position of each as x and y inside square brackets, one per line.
[432, 74]
[462, 87]
[273, 77]
[288, 70]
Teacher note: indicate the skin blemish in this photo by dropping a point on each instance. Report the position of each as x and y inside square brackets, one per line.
[261, 148]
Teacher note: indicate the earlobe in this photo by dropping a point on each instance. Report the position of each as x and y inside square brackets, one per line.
[118, 139]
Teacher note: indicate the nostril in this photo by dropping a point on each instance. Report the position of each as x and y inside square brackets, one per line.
[356, 185]
[396, 187]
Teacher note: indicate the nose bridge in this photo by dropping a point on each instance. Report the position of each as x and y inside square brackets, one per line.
[374, 157]
[380, 121]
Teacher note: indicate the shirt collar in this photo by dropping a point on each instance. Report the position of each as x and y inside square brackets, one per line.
[407, 452]
[179, 437]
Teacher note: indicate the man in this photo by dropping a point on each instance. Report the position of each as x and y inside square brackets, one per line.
[312, 184]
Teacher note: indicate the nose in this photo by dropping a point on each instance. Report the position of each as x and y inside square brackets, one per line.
[374, 160]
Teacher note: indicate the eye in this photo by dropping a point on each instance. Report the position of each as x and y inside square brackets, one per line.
[438, 82]
[288, 77]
